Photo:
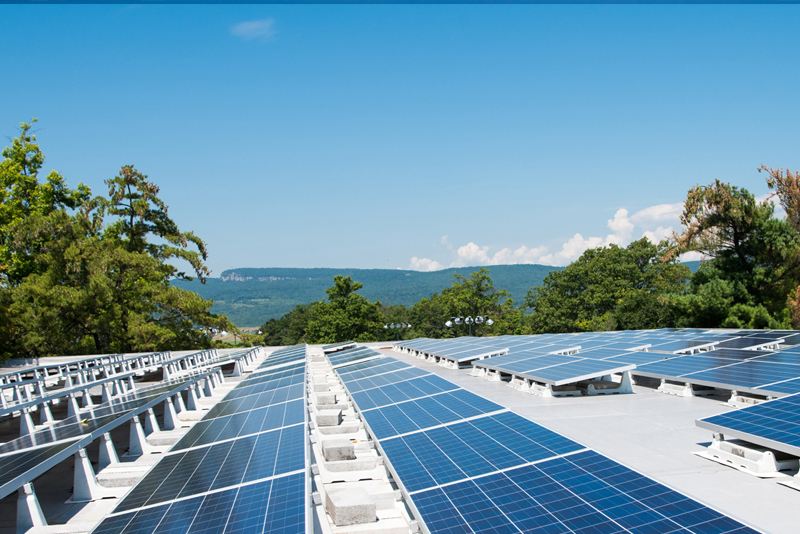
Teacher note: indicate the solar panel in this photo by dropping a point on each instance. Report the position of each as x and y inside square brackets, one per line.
[242, 424]
[352, 356]
[575, 371]
[494, 471]
[230, 465]
[683, 365]
[747, 374]
[270, 506]
[774, 424]
[401, 391]
[582, 493]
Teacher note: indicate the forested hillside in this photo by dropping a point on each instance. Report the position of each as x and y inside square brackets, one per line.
[249, 296]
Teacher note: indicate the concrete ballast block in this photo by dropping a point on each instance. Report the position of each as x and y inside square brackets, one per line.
[338, 449]
[326, 398]
[350, 506]
[322, 388]
[329, 418]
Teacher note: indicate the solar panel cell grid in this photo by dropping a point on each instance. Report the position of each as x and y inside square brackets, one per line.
[748, 374]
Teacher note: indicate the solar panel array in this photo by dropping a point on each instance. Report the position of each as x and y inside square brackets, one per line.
[469, 465]
[242, 468]
[31, 455]
[774, 424]
[727, 359]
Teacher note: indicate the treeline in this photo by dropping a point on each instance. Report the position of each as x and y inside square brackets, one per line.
[248, 301]
[84, 274]
[749, 279]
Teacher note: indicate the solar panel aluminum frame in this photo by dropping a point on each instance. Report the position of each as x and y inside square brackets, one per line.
[82, 442]
[490, 353]
[572, 380]
[752, 438]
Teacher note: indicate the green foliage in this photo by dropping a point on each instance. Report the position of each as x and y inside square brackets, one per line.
[346, 316]
[607, 289]
[23, 196]
[467, 297]
[71, 285]
[754, 263]
[289, 329]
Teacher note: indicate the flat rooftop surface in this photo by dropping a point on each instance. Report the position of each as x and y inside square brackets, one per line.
[651, 432]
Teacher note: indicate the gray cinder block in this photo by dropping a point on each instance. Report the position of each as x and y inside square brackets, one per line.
[329, 418]
[350, 506]
[326, 398]
[338, 449]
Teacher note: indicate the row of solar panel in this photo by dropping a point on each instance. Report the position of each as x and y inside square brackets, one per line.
[464, 349]
[765, 372]
[468, 465]
[92, 420]
[31, 455]
[269, 507]
[257, 433]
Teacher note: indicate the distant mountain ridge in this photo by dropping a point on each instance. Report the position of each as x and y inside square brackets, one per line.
[251, 296]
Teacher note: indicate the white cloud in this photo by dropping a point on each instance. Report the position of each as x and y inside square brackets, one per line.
[425, 264]
[521, 255]
[658, 213]
[659, 234]
[471, 254]
[621, 225]
[261, 29]
[571, 250]
[655, 222]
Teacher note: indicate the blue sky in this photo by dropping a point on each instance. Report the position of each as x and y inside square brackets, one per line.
[408, 136]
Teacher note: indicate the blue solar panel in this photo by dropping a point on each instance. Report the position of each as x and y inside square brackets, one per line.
[683, 365]
[787, 387]
[639, 358]
[193, 472]
[383, 365]
[248, 389]
[352, 356]
[272, 506]
[581, 493]
[573, 371]
[401, 391]
[241, 424]
[788, 357]
[539, 362]
[749, 374]
[498, 472]
[775, 424]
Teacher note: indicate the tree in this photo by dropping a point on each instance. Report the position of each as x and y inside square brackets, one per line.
[289, 329]
[69, 284]
[468, 297]
[346, 316]
[608, 288]
[786, 185]
[23, 196]
[754, 259]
